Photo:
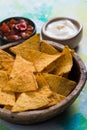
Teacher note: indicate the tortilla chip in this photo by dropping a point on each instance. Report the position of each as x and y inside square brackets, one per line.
[23, 82]
[3, 78]
[6, 61]
[30, 102]
[31, 43]
[31, 55]
[20, 65]
[22, 78]
[47, 48]
[7, 98]
[41, 60]
[43, 86]
[41, 81]
[64, 63]
[59, 84]
[55, 99]
[50, 68]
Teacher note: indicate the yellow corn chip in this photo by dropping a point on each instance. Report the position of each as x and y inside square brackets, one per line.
[64, 63]
[43, 86]
[31, 43]
[50, 68]
[47, 48]
[25, 81]
[3, 78]
[20, 65]
[30, 102]
[59, 84]
[6, 61]
[41, 60]
[22, 78]
[7, 98]
[55, 99]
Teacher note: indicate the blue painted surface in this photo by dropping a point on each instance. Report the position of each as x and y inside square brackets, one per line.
[75, 118]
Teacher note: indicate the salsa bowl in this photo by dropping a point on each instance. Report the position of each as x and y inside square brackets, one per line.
[16, 29]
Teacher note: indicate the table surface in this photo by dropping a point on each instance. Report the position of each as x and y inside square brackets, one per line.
[75, 117]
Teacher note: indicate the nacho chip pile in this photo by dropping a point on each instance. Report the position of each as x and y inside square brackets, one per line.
[36, 77]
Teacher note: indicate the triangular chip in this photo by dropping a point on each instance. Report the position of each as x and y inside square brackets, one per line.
[31, 43]
[30, 102]
[55, 99]
[50, 68]
[41, 60]
[43, 86]
[3, 78]
[22, 78]
[20, 65]
[6, 61]
[47, 48]
[64, 63]
[7, 98]
[59, 84]
[23, 82]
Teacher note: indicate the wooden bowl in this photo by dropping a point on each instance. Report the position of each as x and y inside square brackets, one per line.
[72, 41]
[78, 74]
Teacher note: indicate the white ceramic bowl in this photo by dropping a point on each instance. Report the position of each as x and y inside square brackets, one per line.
[72, 41]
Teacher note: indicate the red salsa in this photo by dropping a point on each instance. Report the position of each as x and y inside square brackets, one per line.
[15, 29]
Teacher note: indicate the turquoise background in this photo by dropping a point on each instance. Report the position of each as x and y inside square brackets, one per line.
[75, 117]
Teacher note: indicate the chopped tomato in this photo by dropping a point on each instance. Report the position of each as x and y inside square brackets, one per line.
[15, 29]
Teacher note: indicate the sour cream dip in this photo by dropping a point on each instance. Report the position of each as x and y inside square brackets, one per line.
[61, 29]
